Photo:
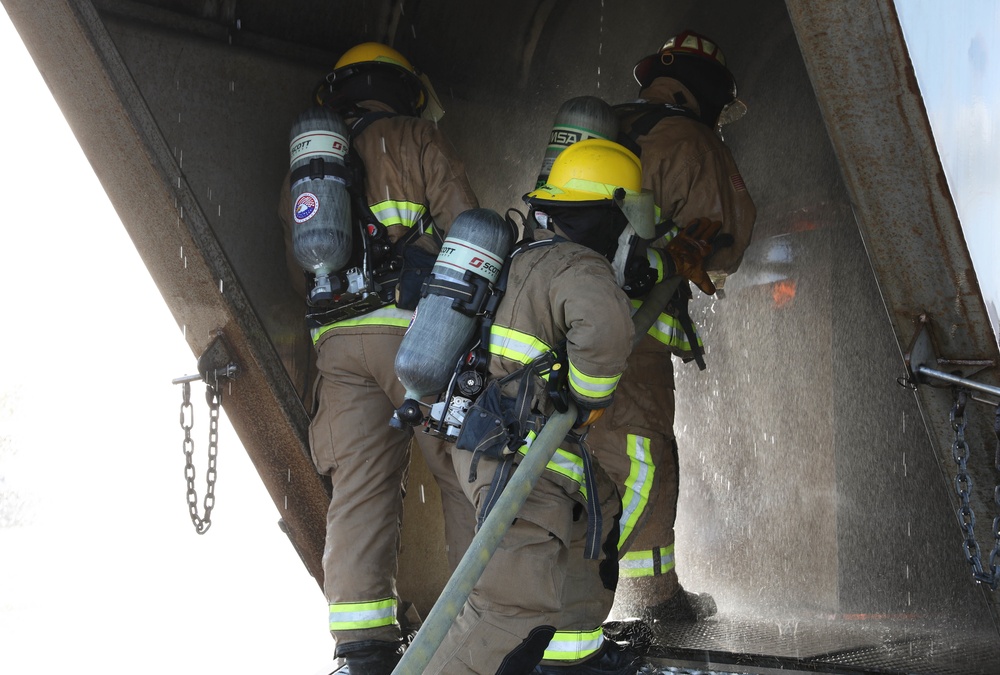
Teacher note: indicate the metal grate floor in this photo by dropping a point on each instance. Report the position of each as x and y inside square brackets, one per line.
[730, 644]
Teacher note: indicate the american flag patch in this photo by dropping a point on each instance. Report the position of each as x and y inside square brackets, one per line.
[738, 182]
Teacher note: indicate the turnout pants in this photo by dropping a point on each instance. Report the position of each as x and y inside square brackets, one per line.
[634, 442]
[352, 442]
[538, 579]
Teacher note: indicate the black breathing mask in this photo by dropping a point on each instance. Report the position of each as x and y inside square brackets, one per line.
[596, 225]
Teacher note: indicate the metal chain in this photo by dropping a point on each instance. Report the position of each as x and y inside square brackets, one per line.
[963, 485]
[214, 397]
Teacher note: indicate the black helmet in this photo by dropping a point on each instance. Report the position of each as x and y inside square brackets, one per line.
[696, 62]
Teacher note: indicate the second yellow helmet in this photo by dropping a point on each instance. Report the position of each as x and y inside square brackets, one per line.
[588, 171]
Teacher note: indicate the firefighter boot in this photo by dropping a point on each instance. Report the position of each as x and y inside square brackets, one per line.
[684, 607]
[612, 659]
[370, 657]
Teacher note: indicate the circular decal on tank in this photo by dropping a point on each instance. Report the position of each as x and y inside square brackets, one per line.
[306, 207]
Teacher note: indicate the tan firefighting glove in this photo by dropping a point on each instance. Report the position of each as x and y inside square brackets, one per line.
[585, 417]
[689, 249]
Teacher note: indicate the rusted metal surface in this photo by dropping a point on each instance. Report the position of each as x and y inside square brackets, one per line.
[865, 86]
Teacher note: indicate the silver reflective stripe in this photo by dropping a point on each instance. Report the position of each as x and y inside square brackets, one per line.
[514, 345]
[591, 386]
[573, 645]
[643, 563]
[398, 213]
[360, 615]
[637, 485]
[383, 316]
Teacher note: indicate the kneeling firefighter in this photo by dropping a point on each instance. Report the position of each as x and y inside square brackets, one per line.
[407, 186]
[562, 329]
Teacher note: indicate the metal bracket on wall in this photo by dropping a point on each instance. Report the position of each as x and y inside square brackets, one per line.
[216, 362]
[925, 367]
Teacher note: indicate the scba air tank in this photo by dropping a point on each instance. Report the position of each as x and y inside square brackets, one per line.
[443, 323]
[321, 205]
[578, 119]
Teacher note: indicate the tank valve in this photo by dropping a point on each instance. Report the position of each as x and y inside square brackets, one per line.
[407, 414]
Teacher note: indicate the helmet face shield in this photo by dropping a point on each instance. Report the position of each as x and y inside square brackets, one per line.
[433, 110]
[733, 112]
[640, 211]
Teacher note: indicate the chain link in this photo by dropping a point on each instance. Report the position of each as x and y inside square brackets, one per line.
[963, 486]
[214, 397]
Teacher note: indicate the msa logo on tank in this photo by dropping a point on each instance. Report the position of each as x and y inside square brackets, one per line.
[463, 255]
[577, 119]
[564, 137]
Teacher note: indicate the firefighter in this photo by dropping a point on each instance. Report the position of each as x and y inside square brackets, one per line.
[415, 185]
[686, 94]
[563, 328]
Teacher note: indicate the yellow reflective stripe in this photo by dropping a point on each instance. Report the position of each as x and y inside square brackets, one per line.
[515, 345]
[383, 316]
[359, 615]
[573, 645]
[668, 330]
[655, 259]
[585, 185]
[646, 563]
[637, 485]
[392, 212]
[590, 387]
[563, 462]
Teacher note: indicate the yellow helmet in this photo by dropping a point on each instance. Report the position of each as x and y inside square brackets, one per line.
[367, 55]
[374, 52]
[588, 171]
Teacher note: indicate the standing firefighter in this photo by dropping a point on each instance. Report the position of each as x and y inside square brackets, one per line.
[562, 313]
[562, 329]
[686, 94]
[411, 188]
